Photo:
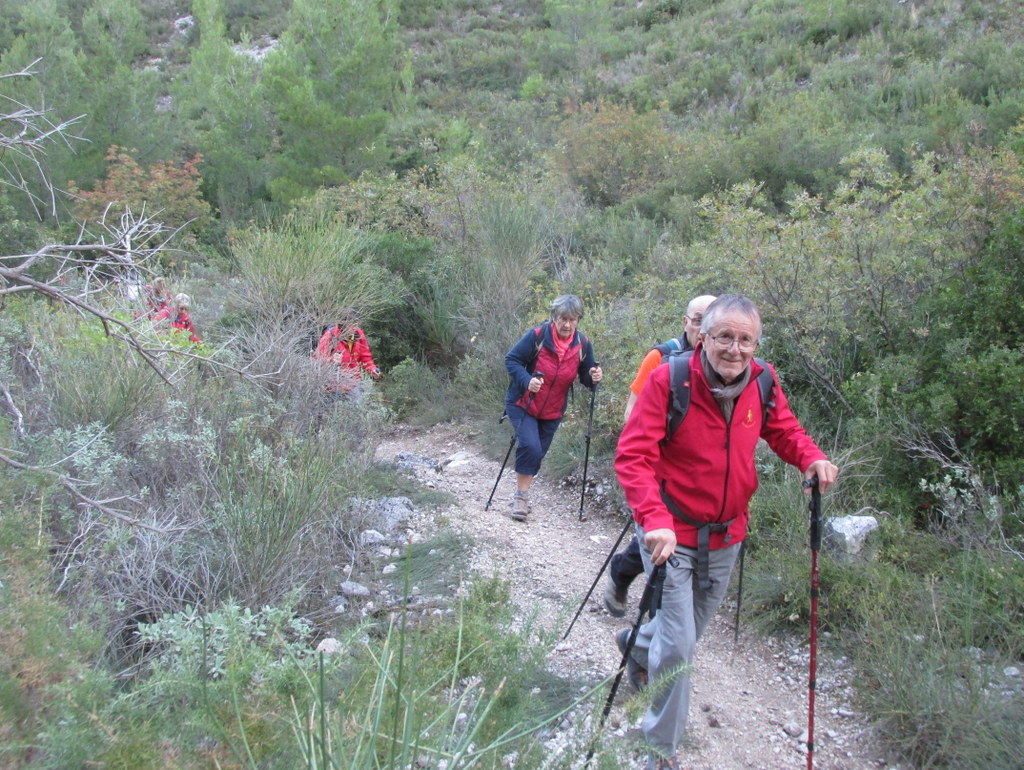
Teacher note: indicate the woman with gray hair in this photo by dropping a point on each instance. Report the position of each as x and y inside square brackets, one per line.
[543, 366]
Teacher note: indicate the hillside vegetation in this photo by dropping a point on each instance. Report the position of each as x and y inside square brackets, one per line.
[175, 517]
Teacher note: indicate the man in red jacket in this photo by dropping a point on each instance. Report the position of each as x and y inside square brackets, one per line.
[690, 498]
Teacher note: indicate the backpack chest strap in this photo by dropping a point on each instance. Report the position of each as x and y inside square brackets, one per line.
[704, 530]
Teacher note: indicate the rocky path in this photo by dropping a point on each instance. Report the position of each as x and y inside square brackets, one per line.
[749, 709]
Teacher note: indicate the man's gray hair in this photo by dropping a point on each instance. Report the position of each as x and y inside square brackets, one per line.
[567, 305]
[729, 303]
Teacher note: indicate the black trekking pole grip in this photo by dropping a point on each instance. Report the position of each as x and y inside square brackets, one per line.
[529, 399]
[815, 508]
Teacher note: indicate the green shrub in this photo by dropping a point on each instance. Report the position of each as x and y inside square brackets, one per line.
[332, 277]
[613, 153]
[938, 703]
[417, 395]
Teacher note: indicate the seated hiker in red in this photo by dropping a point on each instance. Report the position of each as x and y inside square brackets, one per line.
[181, 319]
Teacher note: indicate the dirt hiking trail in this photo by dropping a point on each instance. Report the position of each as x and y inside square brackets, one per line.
[749, 708]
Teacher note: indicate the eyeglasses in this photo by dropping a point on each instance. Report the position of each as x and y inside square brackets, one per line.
[724, 342]
[695, 319]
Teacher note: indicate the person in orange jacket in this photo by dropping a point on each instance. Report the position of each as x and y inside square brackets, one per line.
[345, 345]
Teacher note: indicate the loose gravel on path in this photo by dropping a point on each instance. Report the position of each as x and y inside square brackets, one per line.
[750, 703]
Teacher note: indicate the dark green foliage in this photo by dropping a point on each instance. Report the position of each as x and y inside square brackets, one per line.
[249, 19]
[330, 87]
[983, 308]
[417, 394]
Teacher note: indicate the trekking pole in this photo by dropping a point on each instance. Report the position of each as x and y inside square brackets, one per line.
[739, 595]
[815, 507]
[611, 553]
[511, 443]
[540, 376]
[650, 600]
[586, 453]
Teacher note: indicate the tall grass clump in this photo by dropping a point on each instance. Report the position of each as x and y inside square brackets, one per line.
[932, 626]
[271, 518]
[939, 673]
[508, 237]
[309, 268]
[86, 377]
[470, 690]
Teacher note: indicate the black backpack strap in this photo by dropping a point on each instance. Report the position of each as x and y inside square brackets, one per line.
[668, 347]
[704, 530]
[766, 386]
[538, 342]
[678, 392]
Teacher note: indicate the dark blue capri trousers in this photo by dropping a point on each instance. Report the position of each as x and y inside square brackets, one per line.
[533, 437]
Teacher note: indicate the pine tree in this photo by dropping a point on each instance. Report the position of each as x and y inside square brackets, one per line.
[332, 83]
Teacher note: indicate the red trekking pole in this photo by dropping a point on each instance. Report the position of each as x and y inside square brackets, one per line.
[815, 507]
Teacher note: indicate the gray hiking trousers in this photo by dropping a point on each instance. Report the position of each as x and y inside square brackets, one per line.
[665, 645]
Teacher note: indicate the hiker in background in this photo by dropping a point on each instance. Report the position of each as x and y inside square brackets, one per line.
[627, 565]
[345, 345]
[543, 366]
[157, 296]
[690, 499]
[182, 320]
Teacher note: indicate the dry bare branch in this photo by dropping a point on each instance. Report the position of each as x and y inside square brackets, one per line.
[25, 133]
[12, 408]
[103, 506]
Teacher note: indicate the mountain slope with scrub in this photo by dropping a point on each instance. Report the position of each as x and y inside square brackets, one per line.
[181, 522]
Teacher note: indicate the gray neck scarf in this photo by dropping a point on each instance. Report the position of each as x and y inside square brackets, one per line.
[725, 394]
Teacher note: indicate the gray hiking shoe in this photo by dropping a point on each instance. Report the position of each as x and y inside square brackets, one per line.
[520, 506]
[615, 597]
[637, 674]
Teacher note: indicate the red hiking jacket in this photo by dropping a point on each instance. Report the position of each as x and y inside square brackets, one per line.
[351, 355]
[184, 322]
[524, 358]
[707, 467]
